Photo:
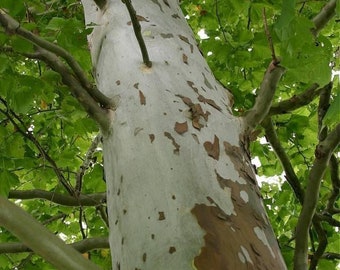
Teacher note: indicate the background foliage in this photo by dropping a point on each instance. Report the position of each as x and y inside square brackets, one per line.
[38, 115]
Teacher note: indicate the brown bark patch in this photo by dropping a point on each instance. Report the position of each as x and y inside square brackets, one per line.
[185, 58]
[224, 237]
[152, 137]
[144, 257]
[168, 35]
[191, 84]
[161, 216]
[175, 144]
[210, 102]
[195, 137]
[172, 250]
[213, 149]
[241, 162]
[181, 128]
[166, 2]
[142, 99]
[140, 19]
[186, 40]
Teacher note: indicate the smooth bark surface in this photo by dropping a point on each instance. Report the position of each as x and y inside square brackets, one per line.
[181, 190]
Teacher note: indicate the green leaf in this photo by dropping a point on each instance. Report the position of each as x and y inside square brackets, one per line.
[332, 116]
[7, 180]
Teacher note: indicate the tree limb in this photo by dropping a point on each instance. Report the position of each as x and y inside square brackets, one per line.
[94, 199]
[322, 155]
[322, 239]
[264, 99]
[101, 115]
[82, 246]
[40, 240]
[324, 17]
[284, 159]
[297, 101]
[334, 170]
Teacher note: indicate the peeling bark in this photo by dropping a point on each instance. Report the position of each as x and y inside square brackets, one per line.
[180, 195]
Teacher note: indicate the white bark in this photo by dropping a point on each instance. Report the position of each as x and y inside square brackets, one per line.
[179, 196]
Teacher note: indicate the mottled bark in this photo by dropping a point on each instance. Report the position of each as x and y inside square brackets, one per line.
[181, 190]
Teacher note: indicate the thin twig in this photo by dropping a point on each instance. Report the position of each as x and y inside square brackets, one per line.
[87, 162]
[269, 38]
[219, 21]
[138, 33]
[23, 131]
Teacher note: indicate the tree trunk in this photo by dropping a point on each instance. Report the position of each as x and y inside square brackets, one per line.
[181, 189]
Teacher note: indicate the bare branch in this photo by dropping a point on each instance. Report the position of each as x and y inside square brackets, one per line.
[82, 246]
[42, 242]
[94, 199]
[137, 29]
[324, 17]
[322, 155]
[264, 99]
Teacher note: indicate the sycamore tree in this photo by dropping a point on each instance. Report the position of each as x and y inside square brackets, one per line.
[127, 137]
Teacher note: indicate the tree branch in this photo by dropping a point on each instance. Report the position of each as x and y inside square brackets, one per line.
[264, 99]
[101, 115]
[41, 241]
[12, 27]
[334, 170]
[138, 33]
[94, 199]
[23, 131]
[298, 101]
[322, 155]
[82, 246]
[322, 239]
[324, 17]
[284, 159]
